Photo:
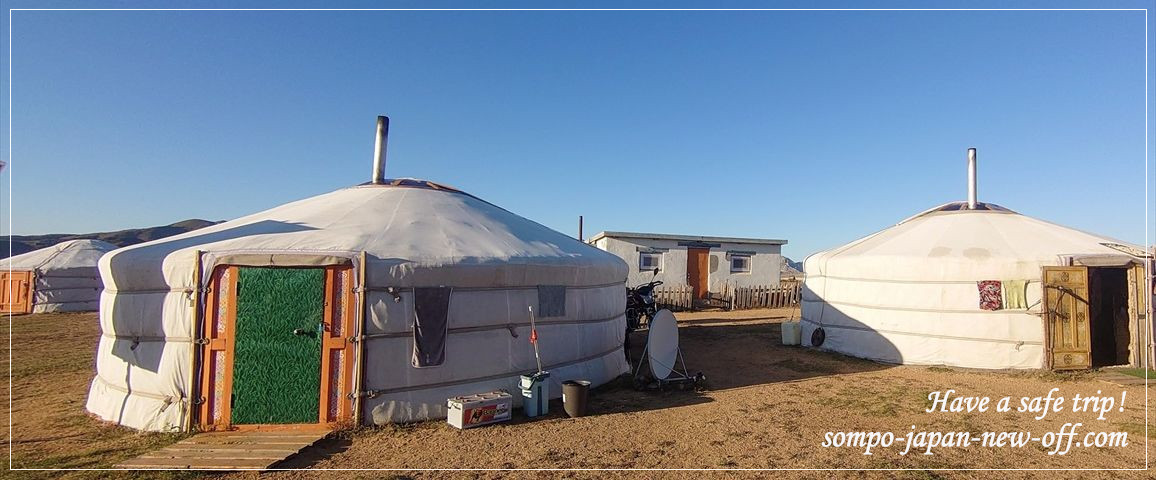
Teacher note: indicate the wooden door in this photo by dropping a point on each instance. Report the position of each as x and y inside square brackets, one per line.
[1066, 313]
[331, 362]
[16, 291]
[1138, 321]
[698, 270]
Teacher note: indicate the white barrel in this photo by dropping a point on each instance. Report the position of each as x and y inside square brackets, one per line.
[792, 333]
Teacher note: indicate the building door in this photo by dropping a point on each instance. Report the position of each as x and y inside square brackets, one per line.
[16, 292]
[1066, 317]
[698, 270]
[275, 348]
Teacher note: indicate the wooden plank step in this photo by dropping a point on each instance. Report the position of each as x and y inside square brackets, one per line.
[294, 434]
[252, 438]
[238, 440]
[228, 450]
[268, 459]
[254, 449]
[237, 453]
[270, 445]
[190, 447]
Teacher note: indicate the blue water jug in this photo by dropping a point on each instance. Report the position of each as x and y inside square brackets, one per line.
[535, 393]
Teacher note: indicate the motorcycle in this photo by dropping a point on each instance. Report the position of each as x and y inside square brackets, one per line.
[640, 304]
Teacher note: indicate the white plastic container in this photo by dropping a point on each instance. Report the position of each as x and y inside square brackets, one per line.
[468, 411]
[792, 333]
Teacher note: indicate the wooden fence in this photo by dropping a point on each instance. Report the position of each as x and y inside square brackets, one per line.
[674, 297]
[681, 297]
[787, 294]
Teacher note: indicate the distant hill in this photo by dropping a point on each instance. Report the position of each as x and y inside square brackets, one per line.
[121, 238]
[798, 266]
[790, 268]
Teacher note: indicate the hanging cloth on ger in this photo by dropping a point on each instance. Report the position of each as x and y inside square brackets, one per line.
[1015, 294]
[431, 308]
[990, 297]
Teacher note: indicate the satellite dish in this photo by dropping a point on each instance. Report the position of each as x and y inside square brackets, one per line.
[662, 343]
[661, 354]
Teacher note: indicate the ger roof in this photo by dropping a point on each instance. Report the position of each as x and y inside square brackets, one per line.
[68, 254]
[406, 227]
[687, 238]
[952, 244]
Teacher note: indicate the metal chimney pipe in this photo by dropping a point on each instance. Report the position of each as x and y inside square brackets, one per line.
[580, 228]
[971, 188]
[379, 149]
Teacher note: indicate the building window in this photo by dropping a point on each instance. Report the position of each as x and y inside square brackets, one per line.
[649, 261]
[740, 264]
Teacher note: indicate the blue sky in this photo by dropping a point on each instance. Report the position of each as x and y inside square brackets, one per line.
[817, 127]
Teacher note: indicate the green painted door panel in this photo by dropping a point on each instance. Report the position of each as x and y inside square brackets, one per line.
[277, 348]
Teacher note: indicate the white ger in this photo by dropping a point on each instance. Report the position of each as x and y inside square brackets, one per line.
[369, 304]
[60, 278]
[910, 294]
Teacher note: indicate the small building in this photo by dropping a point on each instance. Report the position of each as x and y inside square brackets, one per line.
[706, 264]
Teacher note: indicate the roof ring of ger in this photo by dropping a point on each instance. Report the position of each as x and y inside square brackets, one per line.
[413, 183]
[961, 207]
[953, 206]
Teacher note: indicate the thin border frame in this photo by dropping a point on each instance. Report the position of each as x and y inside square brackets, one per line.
[1147, 240]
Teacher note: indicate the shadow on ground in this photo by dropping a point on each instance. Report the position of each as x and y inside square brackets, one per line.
[747, 352]
[321, 450]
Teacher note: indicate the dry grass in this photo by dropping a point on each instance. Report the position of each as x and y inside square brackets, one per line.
[52, 365]
[765, 405]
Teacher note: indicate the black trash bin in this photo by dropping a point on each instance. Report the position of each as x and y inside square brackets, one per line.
[574, 394]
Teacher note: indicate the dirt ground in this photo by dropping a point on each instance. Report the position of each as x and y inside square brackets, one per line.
[764, 406]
